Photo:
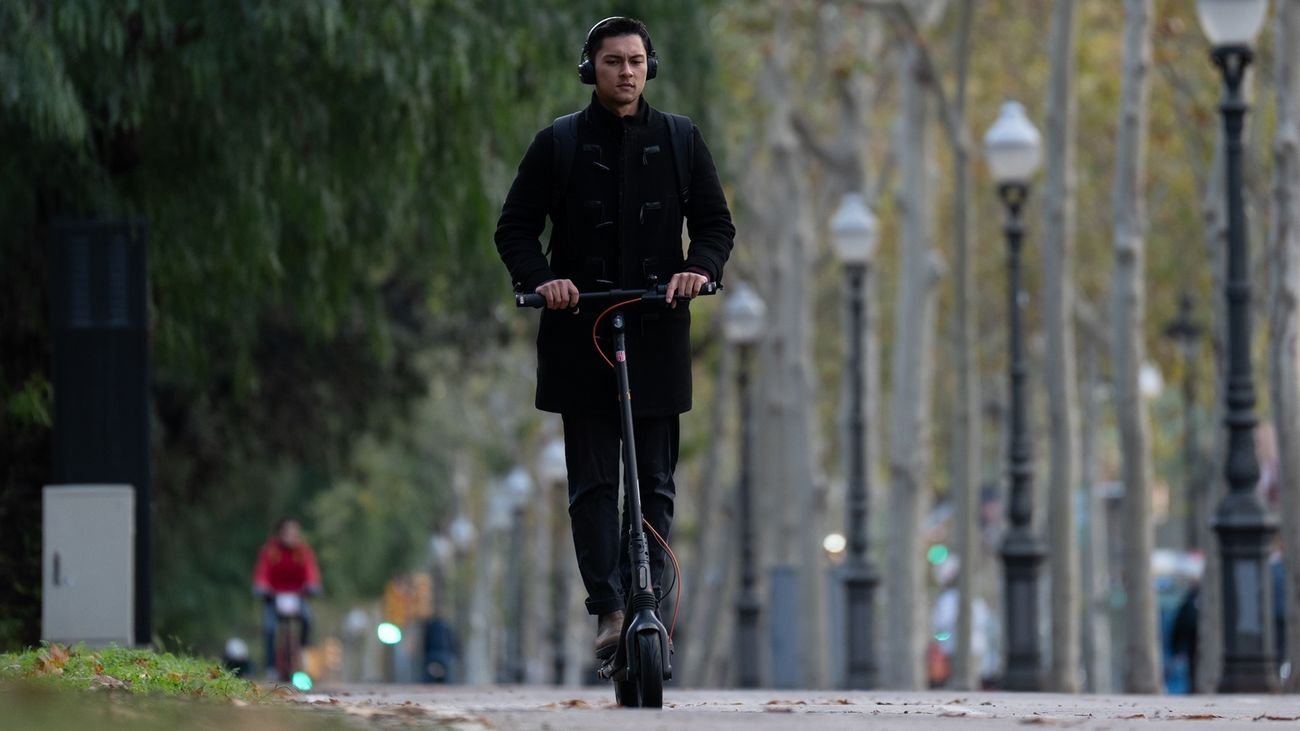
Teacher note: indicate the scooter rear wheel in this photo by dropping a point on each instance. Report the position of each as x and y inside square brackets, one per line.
[650, 671]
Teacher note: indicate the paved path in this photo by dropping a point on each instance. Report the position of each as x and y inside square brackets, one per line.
[541, 708]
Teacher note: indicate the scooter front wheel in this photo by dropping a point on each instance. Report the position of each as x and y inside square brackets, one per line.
[627, 694]
[650, 671]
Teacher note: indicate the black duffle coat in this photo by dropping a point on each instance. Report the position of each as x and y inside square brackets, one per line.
[618, 224]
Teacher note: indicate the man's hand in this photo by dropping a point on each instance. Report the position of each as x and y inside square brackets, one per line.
[560, 294]
[687, 284]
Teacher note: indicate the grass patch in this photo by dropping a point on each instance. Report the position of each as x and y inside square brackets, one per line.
[133, 671]
[39, 705]
[57, 688]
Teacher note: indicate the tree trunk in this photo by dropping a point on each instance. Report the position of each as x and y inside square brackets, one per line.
[1058, 325]
[702, 600]
[785, 480]
[913, 355]
[1284, 340]
[1142, 667]
[965, 458]
[1095, 566]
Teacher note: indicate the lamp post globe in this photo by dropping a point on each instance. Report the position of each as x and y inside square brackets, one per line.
[551, 466]
[1012, 146]
[1231, 22]
[744, 316]
[854, 230]
[1013, 149]
[1242, 524]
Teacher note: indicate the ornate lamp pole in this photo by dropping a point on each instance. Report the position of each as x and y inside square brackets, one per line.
[1243, 526]
[1185, 331]
[744, 316]
[1013, 149]
[854, 233]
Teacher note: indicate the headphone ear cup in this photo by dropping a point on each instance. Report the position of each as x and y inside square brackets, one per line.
[587, 71]
[652, 67]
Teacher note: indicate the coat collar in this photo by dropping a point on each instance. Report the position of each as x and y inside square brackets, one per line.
[602, 117]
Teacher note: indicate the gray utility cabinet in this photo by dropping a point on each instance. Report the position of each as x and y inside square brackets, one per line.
[88, 590]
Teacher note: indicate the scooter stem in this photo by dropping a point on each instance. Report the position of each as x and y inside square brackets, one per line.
[638, 547]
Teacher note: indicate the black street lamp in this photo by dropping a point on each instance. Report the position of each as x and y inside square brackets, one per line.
[1243, 526]
[1186, 332]
[1013, 149]
[854, 233]
[743, 316]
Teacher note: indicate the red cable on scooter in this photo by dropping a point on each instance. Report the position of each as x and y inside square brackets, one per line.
[595, 341]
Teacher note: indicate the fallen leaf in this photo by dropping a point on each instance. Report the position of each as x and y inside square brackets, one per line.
[1135, 715]
[786, 703]
[571, 703]
[108, 681]
[214, 673]
[1195, 717]
[841, 702]
[175, 676]
[1270, 717]
[52, 659]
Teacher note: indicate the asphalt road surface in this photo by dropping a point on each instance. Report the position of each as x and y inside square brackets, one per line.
[542, 708]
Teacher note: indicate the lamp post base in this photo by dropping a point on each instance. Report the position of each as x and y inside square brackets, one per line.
[1245, 532]
[1022, 556]
[860, 580]
[747, 641]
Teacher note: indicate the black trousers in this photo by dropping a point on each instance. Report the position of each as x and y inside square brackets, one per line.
[593, 451]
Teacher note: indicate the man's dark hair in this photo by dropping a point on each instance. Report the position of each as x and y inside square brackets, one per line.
[616, 27]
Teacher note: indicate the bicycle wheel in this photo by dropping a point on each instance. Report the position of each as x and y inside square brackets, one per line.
[650, 671]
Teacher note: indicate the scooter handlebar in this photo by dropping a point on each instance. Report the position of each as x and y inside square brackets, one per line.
[653, 294]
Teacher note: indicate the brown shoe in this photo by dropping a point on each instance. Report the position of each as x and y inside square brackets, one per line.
[608, 631]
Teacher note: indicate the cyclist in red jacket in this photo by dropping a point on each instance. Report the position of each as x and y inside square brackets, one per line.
[285, 565]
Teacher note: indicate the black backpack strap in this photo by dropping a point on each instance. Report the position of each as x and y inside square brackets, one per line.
[565, 134]
[683, 141]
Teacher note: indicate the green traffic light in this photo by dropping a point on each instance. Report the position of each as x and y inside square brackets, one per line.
[937, 554]
[389, 633]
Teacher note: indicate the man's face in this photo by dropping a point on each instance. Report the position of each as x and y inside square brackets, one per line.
[291, 533]
[620, 70]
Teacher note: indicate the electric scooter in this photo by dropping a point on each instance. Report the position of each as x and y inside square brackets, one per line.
[642, 661]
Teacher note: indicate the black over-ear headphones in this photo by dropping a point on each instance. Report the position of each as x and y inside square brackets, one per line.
[587, 68]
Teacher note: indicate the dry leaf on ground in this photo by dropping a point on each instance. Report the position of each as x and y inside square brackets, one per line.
[571, 703]
[108, 681]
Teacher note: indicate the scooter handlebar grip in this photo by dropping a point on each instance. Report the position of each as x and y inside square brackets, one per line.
[529, 300]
